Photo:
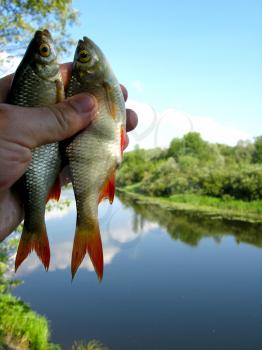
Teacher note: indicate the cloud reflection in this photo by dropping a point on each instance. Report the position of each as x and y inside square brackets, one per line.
[117, 230]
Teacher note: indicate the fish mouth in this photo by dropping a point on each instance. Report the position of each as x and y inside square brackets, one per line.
[41, 33]
[86, 40]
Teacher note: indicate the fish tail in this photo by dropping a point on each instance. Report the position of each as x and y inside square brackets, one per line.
[88, 240]
[33, 241]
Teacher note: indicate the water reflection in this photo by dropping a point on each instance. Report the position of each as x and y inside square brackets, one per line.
[119, 229]
[191, 228]
[124, 226]
[172, 281]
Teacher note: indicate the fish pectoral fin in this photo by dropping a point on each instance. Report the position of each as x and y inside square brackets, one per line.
[122, 139]
[88, 240]
[110, 99]
[55, 191]
[108, 190]
[37, 241]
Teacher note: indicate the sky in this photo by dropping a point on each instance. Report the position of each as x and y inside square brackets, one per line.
[192, 65]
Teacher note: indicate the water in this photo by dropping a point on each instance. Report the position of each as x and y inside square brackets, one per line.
[171, 281]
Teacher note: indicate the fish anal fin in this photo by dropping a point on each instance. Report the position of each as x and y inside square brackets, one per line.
[88, 240]
[38, 242]
[55, 191]
[108, 190]
[110, 99]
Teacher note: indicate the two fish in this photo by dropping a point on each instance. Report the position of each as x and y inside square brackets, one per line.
[93, 155]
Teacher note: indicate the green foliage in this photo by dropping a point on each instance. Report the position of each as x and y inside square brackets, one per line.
[135, 167]
[193, 166]
[258, 150]
[18, 321]
[20, 18]
[190, 145]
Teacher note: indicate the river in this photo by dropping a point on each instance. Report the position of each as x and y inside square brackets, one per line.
[171, 281]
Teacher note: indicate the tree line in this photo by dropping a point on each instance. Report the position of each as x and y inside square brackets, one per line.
[192, 165]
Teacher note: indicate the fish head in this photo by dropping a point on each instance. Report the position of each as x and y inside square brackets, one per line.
[90, 64]
[41, 55]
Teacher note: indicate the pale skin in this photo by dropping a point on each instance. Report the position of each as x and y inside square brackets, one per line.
[23, 128]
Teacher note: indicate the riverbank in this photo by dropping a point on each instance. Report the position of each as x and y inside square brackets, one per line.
[230, 209]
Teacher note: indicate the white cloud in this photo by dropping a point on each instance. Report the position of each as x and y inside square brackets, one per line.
[8, 63]
[113, 238]
[158, 129]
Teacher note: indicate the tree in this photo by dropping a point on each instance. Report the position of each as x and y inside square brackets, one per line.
[257, 157]
[19, 19]
[194, 145]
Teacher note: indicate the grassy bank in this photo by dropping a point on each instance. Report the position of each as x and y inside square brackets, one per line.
[205, 205]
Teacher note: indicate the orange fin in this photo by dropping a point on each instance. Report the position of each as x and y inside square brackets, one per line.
[33, 241]
[55, 191]
[123, 140]
[88, 240]
[109, 100]
[108, 190]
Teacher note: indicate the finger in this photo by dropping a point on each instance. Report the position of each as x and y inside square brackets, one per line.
[33, 127]
[5, 84]
[124, 91]
[131, 119]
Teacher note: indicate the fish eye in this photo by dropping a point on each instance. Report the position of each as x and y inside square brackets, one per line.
[84, 56]
[44, 50]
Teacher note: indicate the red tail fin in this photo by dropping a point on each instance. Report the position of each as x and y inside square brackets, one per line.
[33, 241]
[88, 240]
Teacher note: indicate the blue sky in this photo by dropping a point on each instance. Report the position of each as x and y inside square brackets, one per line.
[192, 65]
[201, 57]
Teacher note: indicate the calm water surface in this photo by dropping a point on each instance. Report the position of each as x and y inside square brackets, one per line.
[170, 282]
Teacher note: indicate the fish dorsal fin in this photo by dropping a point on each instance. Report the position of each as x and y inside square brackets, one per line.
[108, 190]
[109, 99]
[55, 191]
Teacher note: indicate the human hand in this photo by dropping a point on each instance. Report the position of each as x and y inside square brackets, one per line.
[22, 128]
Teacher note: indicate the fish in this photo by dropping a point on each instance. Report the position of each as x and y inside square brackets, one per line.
[95, 153]
[38, 82]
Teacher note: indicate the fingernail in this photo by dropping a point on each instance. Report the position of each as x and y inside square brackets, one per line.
[83, 103]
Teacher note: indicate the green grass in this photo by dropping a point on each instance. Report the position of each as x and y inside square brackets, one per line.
[204, 205]
[221, 203]
[20, 325]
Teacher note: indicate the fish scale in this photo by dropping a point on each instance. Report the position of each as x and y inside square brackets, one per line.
[95, 153]
[37, 82]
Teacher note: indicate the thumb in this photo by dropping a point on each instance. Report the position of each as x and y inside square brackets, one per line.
[40, 125]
